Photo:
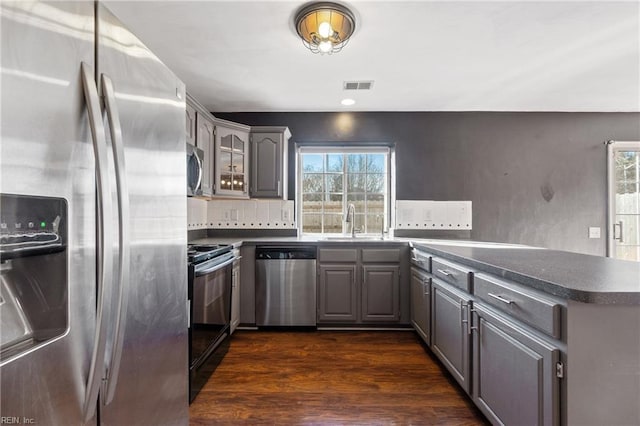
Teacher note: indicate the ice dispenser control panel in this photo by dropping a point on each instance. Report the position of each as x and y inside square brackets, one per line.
[31, 225]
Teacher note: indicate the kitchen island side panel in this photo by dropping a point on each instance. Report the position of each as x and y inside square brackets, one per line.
[603, 368]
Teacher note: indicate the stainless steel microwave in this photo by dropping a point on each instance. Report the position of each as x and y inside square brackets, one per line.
[195, 157]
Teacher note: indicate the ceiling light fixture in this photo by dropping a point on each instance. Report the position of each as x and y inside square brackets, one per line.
[347, 102]
[325, 27]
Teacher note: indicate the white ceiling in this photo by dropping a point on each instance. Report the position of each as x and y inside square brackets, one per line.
[423, 55]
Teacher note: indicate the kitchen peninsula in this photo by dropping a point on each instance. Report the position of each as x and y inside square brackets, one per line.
[594, 339]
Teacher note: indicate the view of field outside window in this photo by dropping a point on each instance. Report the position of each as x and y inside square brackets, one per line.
[627, 205]
[333, 180]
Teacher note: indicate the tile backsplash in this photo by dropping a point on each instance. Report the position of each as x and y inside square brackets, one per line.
[240, 214]
[439, 215]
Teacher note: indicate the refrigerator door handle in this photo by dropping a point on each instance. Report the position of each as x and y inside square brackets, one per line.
[121, 291]
[104, 247]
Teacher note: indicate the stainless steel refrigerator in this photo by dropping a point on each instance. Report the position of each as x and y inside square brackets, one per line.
[93, 302]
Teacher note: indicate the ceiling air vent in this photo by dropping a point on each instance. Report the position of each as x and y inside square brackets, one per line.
[358, 85]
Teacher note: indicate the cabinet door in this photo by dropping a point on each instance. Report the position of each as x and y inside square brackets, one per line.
[205, 141]
[381, 293]
[232, 162]
[266, 165]
[514, 380]
[449, 334]
[337, 298]
[235, 296]
[190, 119]
[421, 304]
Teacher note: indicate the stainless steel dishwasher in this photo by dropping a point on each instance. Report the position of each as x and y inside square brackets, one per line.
[286, 286]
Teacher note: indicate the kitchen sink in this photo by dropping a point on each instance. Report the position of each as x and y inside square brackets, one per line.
[346, 238]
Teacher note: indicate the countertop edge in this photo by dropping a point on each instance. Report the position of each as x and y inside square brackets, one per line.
[549, 287]
[555, 289]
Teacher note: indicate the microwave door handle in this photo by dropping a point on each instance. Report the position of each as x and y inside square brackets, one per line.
[199, 170]
[104, 247]
[121, 292]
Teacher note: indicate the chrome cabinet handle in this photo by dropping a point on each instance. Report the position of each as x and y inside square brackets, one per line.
[279, 188]
[463, 307]
[501, 299]
[476, 328]
[445, 273]
[104, 249]
[121, 292]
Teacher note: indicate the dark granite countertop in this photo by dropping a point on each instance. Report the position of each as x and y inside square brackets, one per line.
[579, 277]
[573, 276]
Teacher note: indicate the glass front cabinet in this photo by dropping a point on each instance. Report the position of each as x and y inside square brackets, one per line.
[232, 159]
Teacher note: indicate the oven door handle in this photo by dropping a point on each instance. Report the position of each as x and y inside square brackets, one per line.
[214, 268]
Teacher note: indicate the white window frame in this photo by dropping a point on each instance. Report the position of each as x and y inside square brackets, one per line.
[612, 148]
[320, 148]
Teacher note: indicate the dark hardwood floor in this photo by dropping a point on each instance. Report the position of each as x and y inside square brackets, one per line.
[327, 377]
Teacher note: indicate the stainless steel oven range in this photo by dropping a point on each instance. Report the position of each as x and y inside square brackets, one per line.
[209, 290]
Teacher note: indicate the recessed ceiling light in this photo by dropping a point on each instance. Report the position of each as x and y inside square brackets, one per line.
[347, 102]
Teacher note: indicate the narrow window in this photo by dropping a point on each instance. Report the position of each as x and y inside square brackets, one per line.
[623, 231]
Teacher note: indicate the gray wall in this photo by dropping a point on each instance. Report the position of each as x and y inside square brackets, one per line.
[534, 178]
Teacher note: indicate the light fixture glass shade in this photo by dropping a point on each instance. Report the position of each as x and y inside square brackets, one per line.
[325, 27]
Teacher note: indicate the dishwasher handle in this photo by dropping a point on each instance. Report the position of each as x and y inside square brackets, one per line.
[285, 253]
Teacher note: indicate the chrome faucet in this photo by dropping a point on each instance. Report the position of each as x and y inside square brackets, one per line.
[349, 218]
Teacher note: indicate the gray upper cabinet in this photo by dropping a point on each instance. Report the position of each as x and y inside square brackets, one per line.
[337, 293]
[269, 148]
[514, 374]
[450, 338]
[232, 159]
[200, 132]
[190, 121]
[380, 293]
[205, 141]
[421, 304]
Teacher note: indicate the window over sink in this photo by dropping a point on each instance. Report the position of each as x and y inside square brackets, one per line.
[330, 178]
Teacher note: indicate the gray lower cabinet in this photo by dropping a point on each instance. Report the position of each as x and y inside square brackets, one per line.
[421, 304]
[514, 372]
[450, 338]
[380, 293]
[337, 293]
[359, 285]
[235, 295]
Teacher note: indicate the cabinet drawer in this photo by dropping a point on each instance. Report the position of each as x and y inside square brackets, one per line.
[337, 255]
[457, 275]
[381, 255]
[421, 260]
[529, 306]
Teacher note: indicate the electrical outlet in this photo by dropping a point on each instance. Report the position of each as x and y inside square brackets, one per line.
[285, 215]
[594, 232]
